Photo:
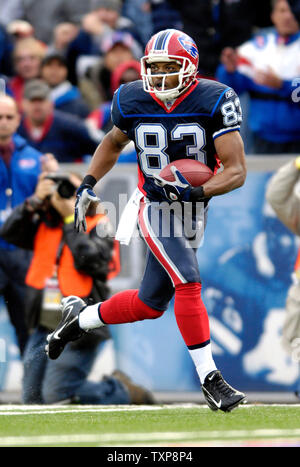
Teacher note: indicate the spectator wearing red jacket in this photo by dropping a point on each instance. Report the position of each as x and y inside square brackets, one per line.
[100, 120]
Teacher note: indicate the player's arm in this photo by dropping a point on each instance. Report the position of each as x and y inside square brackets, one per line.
[107, 153]
[104, 158]
[229, 147]
[230, 150]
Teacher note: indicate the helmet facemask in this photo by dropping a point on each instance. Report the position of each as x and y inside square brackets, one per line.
[186, 75]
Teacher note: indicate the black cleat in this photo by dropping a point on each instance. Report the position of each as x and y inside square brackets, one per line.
[219, 395]
[68, 329]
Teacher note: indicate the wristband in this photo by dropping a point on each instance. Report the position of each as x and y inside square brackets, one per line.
[89, 180]
[197, 194]
[69, 219]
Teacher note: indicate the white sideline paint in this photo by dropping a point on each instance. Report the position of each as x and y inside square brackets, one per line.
[57, 409]
[146, 438]
[14, 410]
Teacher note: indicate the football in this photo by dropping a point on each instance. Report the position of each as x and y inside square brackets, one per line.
[194, 171]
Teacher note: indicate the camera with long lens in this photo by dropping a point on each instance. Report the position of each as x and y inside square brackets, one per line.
[64, 186]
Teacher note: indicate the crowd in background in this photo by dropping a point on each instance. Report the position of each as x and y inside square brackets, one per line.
[82, 51]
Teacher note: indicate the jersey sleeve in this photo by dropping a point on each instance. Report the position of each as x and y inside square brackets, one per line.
[117, 115]
[227, 115]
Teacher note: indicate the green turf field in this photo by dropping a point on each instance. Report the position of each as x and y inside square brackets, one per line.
[161, 425]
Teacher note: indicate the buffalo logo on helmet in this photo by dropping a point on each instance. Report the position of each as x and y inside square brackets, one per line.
[189, 45]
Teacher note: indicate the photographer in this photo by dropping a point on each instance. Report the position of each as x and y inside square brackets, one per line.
[283, 193]
[20, 166]
[63, 263]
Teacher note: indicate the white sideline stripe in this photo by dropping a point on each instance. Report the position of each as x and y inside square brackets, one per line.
[11, 410]
[145, 437]
[57, 409]
[66, 411]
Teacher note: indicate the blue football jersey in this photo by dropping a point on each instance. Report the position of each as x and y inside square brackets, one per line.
[186, 128]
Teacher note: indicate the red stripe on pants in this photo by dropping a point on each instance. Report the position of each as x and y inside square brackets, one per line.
[156, 250]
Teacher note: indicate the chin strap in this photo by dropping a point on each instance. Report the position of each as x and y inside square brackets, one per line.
[164, 97]
[171, 95]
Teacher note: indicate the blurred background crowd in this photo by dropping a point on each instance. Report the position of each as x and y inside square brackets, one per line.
[62, 61]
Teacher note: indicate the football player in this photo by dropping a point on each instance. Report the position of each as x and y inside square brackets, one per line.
[169, 115]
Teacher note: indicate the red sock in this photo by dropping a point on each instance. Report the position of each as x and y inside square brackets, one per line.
[126, 307]
[191, 315]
